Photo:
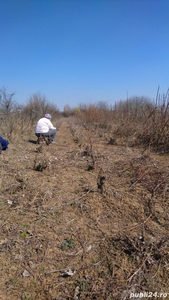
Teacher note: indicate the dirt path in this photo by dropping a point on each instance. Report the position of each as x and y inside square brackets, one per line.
[84, 212]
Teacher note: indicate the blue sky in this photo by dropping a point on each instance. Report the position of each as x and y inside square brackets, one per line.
[84, 51]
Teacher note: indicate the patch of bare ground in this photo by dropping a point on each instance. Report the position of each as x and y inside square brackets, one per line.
[82, 219]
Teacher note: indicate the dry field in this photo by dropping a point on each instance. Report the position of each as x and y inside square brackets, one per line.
[83, 219]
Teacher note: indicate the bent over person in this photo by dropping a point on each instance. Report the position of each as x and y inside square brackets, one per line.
[45, 128]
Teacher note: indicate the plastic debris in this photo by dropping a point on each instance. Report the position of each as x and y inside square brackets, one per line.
[68, 272]
[26, 273]
[89, 248]
[9, 202]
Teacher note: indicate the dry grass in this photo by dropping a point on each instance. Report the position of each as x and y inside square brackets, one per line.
[99, 211]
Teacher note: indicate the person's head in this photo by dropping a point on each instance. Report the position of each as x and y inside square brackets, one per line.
[48, 116]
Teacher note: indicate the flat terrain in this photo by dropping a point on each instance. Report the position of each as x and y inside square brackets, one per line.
[83, 219]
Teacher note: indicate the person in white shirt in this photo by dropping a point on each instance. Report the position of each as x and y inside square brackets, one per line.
[44, 127]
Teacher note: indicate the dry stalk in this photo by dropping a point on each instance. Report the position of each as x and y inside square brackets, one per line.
[138, 180]
[138, 225]
[100, 181]
[135, 273]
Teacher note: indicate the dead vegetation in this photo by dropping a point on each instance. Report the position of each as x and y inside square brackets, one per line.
[83, 219]
[86, 218]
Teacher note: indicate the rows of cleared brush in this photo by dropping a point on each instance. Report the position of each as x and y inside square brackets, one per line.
[91, 223]
[136, 185]
[140, 183]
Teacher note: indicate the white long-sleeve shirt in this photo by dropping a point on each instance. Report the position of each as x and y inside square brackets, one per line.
[44, 125]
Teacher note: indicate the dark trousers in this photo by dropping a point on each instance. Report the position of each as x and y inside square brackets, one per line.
[50, 134]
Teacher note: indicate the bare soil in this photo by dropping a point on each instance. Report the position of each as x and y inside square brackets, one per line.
[83, 219]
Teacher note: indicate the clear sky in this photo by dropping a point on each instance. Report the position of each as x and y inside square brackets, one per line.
[84, 51]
